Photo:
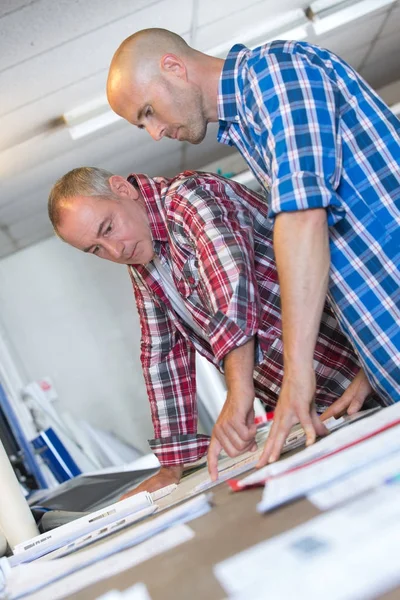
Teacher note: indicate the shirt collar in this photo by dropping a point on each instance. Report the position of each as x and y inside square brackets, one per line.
[227, 107]
[153, 193]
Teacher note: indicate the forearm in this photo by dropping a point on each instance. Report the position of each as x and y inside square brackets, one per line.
[173, 473]
[165, 476]
[301, 246]
[239, 366]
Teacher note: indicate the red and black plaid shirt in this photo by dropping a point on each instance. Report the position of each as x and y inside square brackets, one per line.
[215, 237]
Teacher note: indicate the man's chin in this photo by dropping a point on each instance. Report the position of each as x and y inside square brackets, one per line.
[195, 140]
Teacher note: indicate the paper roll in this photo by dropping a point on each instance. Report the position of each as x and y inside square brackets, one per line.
[16, 520]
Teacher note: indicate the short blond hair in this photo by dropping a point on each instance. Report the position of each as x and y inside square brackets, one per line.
[84, 181]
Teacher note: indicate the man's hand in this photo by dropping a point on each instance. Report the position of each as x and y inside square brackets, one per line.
[301, 245]
[296, 403]
[234, 430]
[165, 476]
[353, 398]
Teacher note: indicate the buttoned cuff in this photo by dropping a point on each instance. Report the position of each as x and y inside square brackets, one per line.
[180, 449]
[225, 334]
[302, 191]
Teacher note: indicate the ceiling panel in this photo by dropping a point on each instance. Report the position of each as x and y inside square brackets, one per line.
[244, 24]
[89, 54]
[33, 118]
[21, 31]
[357, 34]
[393, 23]
[11, 6]
[54, 57]
[382, 72]
[386, 46]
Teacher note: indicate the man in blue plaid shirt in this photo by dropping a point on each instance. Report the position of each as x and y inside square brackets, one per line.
[327, 151]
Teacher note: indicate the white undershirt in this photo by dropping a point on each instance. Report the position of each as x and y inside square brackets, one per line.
[174, 297]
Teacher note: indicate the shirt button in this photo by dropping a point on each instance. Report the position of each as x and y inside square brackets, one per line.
[237, 118]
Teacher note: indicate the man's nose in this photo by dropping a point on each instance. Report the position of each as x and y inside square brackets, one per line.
[114, 248]
[156, 131]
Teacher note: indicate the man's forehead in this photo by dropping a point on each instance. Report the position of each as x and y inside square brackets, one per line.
[80, 209]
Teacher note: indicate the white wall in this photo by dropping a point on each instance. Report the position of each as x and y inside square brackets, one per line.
[73, 317]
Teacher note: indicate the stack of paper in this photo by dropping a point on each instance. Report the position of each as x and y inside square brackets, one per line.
[355, 432]
[352, 448]
[136, 592]
[299, 482]
[53, 579]
[380, 471]
[229, 468]
[347, 554]
[46, 542]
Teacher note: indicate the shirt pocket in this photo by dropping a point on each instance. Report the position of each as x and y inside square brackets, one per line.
[187, 278]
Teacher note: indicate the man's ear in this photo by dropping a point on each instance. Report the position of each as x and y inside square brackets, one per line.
[121, 187]
[173, 65]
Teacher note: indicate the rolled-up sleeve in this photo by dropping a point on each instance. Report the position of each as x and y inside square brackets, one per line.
[220, 232]
[168, 363]
[295, 103]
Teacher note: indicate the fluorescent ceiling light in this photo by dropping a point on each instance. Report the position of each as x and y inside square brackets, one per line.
[290, 25]
[89, 118]
[337, 14]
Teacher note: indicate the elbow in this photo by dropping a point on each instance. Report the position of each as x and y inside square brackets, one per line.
[312, 216]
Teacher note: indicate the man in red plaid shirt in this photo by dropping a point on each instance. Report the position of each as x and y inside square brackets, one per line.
[199, 252]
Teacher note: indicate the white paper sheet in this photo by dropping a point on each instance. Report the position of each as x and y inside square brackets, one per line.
[351, 429]
[99, 534]
[228, 468]
[60, 536]
[112, 565]
[355, 483]
[347, 554]
[295, 484]
[136, 592]
[26, 577]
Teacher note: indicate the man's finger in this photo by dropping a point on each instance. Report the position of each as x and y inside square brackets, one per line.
[319, 427]
[337, 409]
[244, 432]
[281, 434]
[277, 436]
[263, 460]
[214, 450]
[307, 423]
[239, 440]
[355, 406]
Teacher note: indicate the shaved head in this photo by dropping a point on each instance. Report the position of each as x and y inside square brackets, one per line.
[138, 57]
[159, 83]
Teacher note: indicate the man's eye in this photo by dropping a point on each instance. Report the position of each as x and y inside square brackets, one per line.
[148, 112]
[108, 230]
[96, 249]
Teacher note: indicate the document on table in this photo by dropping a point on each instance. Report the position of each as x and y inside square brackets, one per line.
[98, 534]
[355, 430]
[60, 536]
[355, 483]
[230, 467]
[71, 583]
[346, 554]
[136, 592]
[26, 578]
[294, 484]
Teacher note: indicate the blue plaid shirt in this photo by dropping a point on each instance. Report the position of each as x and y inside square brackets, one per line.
[316, 135]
